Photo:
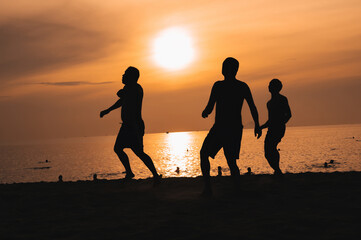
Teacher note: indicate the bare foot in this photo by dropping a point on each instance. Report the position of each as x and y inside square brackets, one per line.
[129, 176]
[157, 180]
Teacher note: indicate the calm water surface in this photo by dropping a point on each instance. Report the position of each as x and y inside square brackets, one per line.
[303, 149]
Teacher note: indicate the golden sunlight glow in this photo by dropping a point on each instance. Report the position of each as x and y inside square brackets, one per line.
[180, 155]
[178, 143]
[173, 49]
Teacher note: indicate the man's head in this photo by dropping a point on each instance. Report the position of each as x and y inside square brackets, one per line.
[275, 86]
[131, 75]
[230, 67]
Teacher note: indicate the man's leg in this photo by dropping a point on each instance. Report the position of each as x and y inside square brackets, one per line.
[149, 163]
[119, 150]
[210, 148]
[232, 163]
[146, 159]
[206, 168]
[232, 148]
[272, 155]
[124, 160]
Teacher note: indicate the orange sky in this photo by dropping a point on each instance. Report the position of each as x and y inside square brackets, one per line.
[61, 61]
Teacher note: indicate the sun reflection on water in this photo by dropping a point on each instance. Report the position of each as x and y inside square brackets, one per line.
[180, 154]
[179, 143]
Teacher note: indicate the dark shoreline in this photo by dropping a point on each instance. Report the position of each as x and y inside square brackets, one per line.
[302, 206]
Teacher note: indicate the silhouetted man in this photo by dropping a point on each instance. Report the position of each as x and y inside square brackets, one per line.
[279, 113]
[132, 130]
[226, 133]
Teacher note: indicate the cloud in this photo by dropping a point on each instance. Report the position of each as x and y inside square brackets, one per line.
[3, 97]
[29, 47]
[73, 83]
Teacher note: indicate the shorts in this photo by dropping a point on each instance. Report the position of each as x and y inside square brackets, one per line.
[275, 134]
[130, 136]
[223, 137]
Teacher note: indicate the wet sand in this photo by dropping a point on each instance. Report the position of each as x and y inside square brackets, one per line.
[302, 206]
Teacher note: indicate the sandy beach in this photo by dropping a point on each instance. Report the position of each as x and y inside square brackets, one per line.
[302, 206]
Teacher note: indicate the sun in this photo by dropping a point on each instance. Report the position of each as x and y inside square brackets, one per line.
[173, 48]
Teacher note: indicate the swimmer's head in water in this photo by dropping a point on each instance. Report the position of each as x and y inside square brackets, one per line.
[131, 75]
[230, 67]
[275, 86]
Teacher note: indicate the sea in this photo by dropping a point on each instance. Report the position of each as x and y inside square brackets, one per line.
[176, 154]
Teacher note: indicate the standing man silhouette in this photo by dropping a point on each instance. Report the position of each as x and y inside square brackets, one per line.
[279, 113]
[226, 133]
[132, 130]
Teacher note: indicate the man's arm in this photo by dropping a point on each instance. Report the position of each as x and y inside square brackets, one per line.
[116, 105]
[288, 114]
[211, 102]
[254, 113]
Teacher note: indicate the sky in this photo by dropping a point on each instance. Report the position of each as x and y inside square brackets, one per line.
[61, 62]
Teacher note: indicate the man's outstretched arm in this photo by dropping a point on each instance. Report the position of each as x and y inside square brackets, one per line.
[116, 105]
[211, 102]
[254, 113]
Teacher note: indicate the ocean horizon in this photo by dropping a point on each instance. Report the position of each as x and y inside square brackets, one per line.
[303, 149]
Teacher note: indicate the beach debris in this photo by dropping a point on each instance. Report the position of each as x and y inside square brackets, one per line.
[109, 174]
[39, 168]
[46, 161]
[60, 178]
[177, 170]
[95, 177]
[219, 171]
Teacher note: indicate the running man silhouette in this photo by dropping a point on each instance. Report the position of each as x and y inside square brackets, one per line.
[279, 113]
[228, 96]
[132, 130]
